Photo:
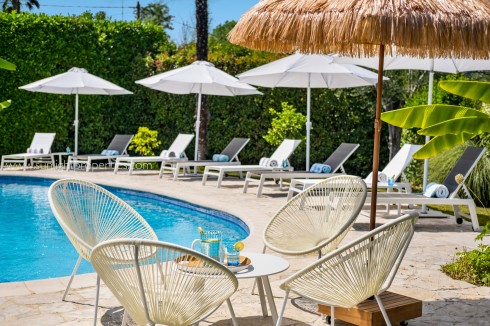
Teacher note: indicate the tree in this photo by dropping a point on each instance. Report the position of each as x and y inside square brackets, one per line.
[156, 13]
[11, 5]
[202, 54]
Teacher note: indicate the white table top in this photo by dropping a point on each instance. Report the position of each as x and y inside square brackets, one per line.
[262, 265]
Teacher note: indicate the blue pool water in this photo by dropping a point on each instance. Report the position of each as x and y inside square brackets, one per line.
[33, 245]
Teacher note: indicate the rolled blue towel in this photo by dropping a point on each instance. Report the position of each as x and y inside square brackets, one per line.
[313, 168]
[436, 190]
[223, 158]
[109, 152]
[325, 168]
[216, 157]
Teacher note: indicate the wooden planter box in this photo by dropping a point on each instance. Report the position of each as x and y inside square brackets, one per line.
[399, 308]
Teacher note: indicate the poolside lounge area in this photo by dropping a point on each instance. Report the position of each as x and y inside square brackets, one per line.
[445, 301]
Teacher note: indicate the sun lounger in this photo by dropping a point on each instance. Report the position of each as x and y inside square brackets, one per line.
[278, 161]
[394, 168]
[38, 152]
[119, 145]
[231, 151]
[464, 166]
[335, 161]
[175, 153]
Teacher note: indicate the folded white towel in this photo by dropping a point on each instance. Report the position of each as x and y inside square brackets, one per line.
[382, 177]
[436, 190]
[168, 154]
[273, 163]
[264, 161]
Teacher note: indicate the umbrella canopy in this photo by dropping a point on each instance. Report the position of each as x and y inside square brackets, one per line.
[200, 77]
[75, 81]
[308, 71]
[422, 28]
[444, 65]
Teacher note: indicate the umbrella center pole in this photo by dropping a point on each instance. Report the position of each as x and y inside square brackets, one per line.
[377, 134]
[308, 123]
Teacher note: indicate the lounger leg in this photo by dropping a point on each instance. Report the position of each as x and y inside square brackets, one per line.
[474, 217]
[116, 167]
[245, 184]
[96, 299]
[232, 312]
[25, 163]
[205, 176]
[176, 171]
[383, 310]
[283, 308]
[89, 165]
[53, 164]
[1, 166]
[71, 278]
[261, 186]
[131, 167]
[125, 318]
[220, 177]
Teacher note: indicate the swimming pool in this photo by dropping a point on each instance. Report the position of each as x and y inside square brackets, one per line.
[35, 247]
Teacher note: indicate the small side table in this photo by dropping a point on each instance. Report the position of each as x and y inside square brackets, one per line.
[261, 266]
[60, 156]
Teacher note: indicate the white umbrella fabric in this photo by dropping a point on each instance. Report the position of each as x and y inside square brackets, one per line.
[200, 77]
[398, 62]
[309, 71]
[75, 81]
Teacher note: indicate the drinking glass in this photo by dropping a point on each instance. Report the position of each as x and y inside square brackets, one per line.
[232, 257]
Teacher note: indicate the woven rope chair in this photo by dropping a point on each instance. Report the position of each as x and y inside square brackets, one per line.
[163, 283]
[318, 218]
[89, 214]
[359, 270]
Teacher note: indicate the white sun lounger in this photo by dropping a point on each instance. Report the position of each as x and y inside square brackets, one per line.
[464, 166]
[119, 143]
[175, 153]
[336, 161]
[39, 149]
[231, 150]
[282, 153]
[394, 168]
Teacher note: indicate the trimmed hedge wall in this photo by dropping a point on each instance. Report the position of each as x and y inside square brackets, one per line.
[122, 52]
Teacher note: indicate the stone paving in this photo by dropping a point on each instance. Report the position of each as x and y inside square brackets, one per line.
[445, 301]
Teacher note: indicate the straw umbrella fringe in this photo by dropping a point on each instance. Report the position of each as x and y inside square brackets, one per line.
[422, 28]
[418, 28]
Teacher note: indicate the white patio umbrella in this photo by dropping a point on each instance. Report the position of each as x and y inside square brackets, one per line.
[75, 81]
[309, 71]
[200, 77]
[432, 65]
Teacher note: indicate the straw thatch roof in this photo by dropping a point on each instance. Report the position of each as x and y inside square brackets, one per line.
[434, 28]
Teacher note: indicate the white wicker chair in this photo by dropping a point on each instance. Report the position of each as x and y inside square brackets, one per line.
[318, 218]
[359, 270]
[89, 214]
[163, 283]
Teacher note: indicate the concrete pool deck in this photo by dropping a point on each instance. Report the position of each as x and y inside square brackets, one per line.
[445, 301]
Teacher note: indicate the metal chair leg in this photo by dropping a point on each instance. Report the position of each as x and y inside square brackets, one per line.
[283, 308]
[96, 300]
[383, 310]
[71, 278]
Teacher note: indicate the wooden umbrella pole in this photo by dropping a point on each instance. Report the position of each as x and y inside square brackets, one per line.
[377, 134]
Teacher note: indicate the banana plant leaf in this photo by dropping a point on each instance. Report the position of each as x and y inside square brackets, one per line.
[469, 125]
[5, 104]
[424, 116]
[440, 144]
[4, 64]
[474, 90]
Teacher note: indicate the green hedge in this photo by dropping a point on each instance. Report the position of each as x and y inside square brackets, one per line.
[123, 52]
[43, 46]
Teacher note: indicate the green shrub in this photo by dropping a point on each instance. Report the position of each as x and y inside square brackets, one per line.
[471, 266]
[145, 141]
[286, 124]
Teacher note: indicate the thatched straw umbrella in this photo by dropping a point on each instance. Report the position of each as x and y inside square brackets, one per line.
[421, 28]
